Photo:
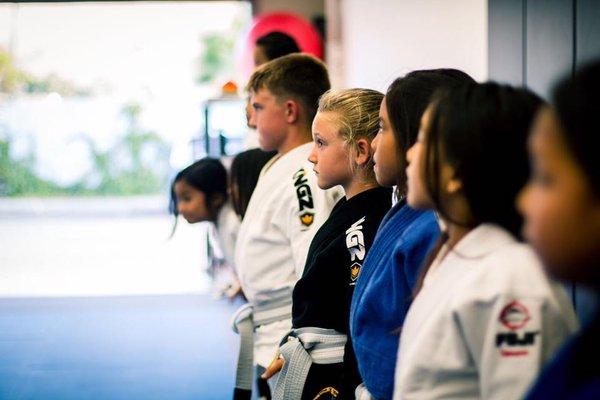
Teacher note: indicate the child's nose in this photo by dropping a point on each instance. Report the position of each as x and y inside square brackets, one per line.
[523, 199]
[251, 115]
[312, 157]
[374, 143]
[409, 154]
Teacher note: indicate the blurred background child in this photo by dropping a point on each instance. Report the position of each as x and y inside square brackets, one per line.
[561, 206]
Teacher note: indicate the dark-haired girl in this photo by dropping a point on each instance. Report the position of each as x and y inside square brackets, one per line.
[561, 206]
[199, 193]
[384, 288]
[243, 176]
[485, 318]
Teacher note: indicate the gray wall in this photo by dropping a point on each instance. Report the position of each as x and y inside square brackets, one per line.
[535, 42]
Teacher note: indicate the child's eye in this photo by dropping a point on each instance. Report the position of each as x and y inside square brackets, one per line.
[542, 177]
[319, 143]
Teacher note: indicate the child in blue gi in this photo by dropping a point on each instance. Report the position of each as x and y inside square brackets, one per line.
[384, 288]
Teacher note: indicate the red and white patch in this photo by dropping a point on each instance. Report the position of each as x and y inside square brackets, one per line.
[514, 316]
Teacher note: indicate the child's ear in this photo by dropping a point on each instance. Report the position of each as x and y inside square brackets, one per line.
[454, 185]
[217, 201]
[362, 149]
[449, 181]
[292, 111]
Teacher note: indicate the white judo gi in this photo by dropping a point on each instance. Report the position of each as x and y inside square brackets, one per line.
[484, 324]
[285, 211]
[227, 227]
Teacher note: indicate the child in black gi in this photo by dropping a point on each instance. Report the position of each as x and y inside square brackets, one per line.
[345, 124]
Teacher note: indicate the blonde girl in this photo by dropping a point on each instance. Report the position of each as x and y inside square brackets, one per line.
[317, 356]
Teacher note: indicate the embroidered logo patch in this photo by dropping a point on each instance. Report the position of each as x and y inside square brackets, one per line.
[354, 271]
[305, 200]
[331, 391]
[514, 316]
[355, 242]
[307, 219]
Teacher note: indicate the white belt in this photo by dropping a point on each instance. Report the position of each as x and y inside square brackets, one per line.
[300, 349]
[247, 318]
[361, 393]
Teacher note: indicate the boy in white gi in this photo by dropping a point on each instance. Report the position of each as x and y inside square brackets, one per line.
[285, 210]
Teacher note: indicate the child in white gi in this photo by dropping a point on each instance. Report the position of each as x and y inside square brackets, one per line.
[286, 208]
[199, 193]
[485, 318]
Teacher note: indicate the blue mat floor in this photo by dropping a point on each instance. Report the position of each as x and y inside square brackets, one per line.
[140, 347]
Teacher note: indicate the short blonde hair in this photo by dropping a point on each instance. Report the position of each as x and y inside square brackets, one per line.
[356, 114]
[301, 77]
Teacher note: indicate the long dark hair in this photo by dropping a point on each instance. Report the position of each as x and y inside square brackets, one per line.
[577, 104]
[481, 130]
[207, 175]
[245, 170]
[406, 100]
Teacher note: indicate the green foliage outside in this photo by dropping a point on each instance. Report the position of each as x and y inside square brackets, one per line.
[136, 164]
[14, 80]
[17, 177]
[217, 57]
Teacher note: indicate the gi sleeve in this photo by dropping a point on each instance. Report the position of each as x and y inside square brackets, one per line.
[358, 239]
[503, 336]
[300, 216]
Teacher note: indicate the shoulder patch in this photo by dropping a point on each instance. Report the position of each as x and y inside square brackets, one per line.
[355, 242]
[306, 207]
[514, 316]
[513, 339]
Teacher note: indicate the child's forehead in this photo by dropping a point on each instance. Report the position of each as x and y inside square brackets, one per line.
[183, 185]
[546, 133]
[264, 94]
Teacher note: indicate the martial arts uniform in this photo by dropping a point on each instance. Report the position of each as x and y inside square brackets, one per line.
[383, 294]
[284, 213]
[227, 225]
[321, 299]
[484, 323]
[222, 238]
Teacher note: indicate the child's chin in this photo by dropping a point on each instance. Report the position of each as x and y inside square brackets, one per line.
[265, 145]
[324, 185]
